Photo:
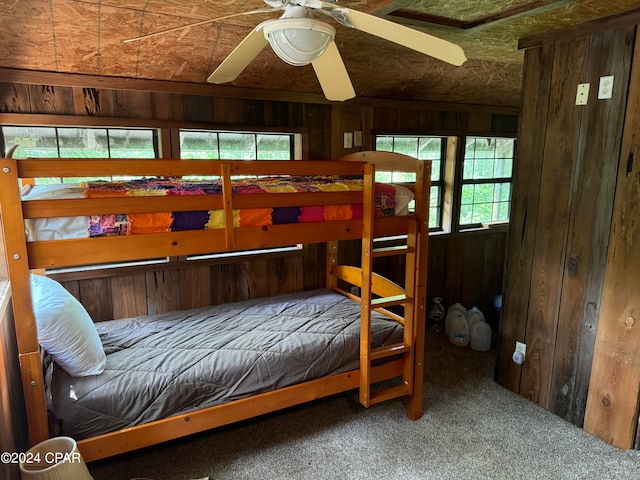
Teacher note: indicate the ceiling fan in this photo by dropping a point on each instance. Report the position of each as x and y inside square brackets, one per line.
[299, 38]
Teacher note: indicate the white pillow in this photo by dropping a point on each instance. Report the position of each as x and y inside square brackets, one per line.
[65, 329]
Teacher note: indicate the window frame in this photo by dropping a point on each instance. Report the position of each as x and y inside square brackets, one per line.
[452, 181]
[444, 151]
[494, 180]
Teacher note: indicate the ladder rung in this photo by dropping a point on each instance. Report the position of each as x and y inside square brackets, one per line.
[389, 393]
[389, 351]
[389, 251]
[384, 302]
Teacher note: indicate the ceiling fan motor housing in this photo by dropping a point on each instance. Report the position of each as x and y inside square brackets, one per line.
[298, 41]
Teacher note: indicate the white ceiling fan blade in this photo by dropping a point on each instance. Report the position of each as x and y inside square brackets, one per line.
[240, 57]
[332, 75]
[405, 36]
[196, 24]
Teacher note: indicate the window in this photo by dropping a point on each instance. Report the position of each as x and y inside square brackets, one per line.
[479, 189]
[422, 148]
[486, 180]
[71, 142]
[224, 145]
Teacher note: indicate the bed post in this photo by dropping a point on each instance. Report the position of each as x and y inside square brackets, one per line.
[25, 325]
[422, 186]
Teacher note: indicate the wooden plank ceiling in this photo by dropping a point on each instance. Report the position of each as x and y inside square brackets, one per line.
[86, 37]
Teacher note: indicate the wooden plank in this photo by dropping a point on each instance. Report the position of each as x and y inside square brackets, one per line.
[589, 222]
[524, 212]
[167, 106]
[163, 291]
[92, 102]
[549, 250]
[493, 274]
[129, 295]
[385, 120]
[454, 269]
[437, 268]
[314, 265]
[128, 103]
[195, 287]
[276, 113]
[34, 396]
[226, 110]
[472, 285]
[284, 275]
[51, 99]
[613, 400]
[225, 283]
[95, 295]
[14, 98]
[253, 279]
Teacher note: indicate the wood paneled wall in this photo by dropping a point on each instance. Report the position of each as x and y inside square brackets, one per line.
[564, 184]
[132, 291]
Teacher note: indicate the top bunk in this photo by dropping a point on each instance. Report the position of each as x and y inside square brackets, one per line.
[138, 209]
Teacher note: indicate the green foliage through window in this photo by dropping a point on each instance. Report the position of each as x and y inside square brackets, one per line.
[72, 142]
[422, 148]
[486, 180]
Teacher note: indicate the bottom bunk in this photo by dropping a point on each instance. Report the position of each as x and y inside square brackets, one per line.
[169, 368]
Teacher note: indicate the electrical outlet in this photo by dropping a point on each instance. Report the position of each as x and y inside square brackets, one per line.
[605, 89]
[348, 140]
[520, 353]
[582, 94]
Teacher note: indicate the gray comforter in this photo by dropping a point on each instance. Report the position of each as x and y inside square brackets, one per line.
[167, 364]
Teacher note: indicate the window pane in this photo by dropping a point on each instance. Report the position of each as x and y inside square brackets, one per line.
[485, 202]
[83, 143]
[237, 146]
[195, 145]
[384, 177]
[422, 148]
[434, 206]
[274, 147]
[436, 170]
[503, 168]
[505, 147]
[406, 145]
[131, 143]
[384, 144]
[33, 142]
[486, 159]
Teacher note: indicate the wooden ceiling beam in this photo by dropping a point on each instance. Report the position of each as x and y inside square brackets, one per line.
[490, 21]
[32, 77]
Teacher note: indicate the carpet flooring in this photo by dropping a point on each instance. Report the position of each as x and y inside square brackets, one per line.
[472, 429]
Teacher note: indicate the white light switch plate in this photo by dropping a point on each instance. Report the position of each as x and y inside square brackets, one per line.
[582, 94]
[348, 140]
[605, 89]
[357, 138]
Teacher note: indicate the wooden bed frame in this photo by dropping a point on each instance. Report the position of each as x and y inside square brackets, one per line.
[376, 292]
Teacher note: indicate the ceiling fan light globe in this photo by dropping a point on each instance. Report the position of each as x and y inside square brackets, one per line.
[298, 41]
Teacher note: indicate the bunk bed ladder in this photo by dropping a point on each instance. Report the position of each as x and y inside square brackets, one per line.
[387, 294]
[402, 297]
[380, 294]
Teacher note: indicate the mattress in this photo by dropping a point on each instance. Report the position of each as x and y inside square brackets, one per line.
[172, 363]
[390, 200]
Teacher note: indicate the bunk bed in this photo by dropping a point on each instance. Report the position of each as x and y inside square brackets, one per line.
[384, 344]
